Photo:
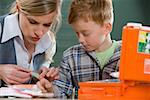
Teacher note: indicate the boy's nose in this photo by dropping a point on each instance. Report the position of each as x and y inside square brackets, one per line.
[81, 39]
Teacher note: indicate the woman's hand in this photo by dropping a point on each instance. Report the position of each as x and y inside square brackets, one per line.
[13, 74]
[43, 71]
[49, 73]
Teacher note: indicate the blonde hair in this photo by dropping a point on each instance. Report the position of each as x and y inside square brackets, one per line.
[34, 7]
[99, 11]
[39, 8]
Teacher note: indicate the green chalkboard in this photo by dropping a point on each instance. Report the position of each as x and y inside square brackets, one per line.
[4, 6]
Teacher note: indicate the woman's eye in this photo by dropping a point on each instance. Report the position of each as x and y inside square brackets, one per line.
[33, 22]
[47, 25]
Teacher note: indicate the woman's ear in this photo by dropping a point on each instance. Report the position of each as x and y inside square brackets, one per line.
[17, 7]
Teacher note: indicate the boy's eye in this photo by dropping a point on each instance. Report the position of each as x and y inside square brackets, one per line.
[85, 34]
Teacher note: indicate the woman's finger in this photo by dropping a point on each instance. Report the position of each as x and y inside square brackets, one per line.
[43, 73]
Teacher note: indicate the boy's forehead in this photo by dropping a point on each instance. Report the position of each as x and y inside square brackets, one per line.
[84, 18]
[84, 21]
[83, 25]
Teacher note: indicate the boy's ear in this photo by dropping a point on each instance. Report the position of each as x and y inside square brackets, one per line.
[107, 28]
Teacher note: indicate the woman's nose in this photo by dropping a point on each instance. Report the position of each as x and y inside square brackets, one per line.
[40, 31]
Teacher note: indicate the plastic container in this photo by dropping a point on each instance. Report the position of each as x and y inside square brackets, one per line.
[113, 91]
[135, 56]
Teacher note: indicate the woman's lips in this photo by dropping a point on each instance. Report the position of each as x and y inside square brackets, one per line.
[36, 39]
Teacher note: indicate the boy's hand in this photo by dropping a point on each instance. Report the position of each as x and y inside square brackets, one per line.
[52, 74]
[46, 77]
[45, 85]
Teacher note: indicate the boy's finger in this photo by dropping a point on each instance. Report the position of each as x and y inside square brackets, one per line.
[51, 71]
[57, 77]
[55, 73]
[48, 86]
[40, 86]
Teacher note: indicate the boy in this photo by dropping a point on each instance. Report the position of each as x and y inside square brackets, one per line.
[97, 56]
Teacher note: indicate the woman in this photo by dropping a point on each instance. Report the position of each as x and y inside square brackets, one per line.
[28, 41]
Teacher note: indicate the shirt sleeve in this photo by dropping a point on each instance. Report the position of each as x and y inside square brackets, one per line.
[64, 85]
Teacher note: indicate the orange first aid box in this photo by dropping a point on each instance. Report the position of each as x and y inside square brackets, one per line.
[134, 69]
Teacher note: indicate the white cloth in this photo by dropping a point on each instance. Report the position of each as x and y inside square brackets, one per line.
[46, 43]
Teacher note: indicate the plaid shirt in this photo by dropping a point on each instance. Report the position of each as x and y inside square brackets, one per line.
[79, 65]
